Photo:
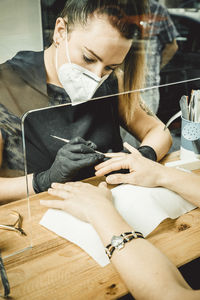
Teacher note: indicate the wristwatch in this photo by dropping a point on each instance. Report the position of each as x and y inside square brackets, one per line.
[118, 242]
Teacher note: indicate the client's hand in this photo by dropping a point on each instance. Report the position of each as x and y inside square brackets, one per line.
[142, 171]
[72, 157]
[82, 200]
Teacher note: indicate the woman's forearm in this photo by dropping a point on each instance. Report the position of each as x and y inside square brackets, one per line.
[150, 130]
[147, 273]
[160, 140]
[183, 183]
[15, 188]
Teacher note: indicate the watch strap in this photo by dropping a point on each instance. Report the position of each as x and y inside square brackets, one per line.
[118, 242]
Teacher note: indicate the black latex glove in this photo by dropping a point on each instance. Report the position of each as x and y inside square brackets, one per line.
[71, 158]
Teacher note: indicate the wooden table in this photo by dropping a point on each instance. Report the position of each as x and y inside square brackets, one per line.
[54, 268]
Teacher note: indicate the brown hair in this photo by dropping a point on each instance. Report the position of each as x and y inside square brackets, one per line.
[126, 16]
[134, 76]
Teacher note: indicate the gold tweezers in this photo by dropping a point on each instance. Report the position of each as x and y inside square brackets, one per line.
[17, 226]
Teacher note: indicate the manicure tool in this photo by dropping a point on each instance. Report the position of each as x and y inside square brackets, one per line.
[197, 106]
[184, 107]
[17, 226]
[67, 141]
[191, 106]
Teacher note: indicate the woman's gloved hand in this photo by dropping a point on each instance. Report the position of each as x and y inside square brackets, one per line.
[72, 157]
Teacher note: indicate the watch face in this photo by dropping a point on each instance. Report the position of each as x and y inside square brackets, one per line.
[117, 242]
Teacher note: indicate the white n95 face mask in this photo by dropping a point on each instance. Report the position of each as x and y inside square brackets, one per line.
[79, 83]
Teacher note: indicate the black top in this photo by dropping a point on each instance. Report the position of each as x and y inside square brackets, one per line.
[95, 120]
[22, 88]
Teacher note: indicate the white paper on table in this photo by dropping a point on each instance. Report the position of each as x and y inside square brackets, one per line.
[77, 232]
[142, 208]
[145, 208]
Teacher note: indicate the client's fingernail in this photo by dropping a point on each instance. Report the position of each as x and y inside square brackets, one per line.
[109, 179]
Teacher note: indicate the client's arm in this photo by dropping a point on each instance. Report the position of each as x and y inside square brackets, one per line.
[145, 172]
[147, 273]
